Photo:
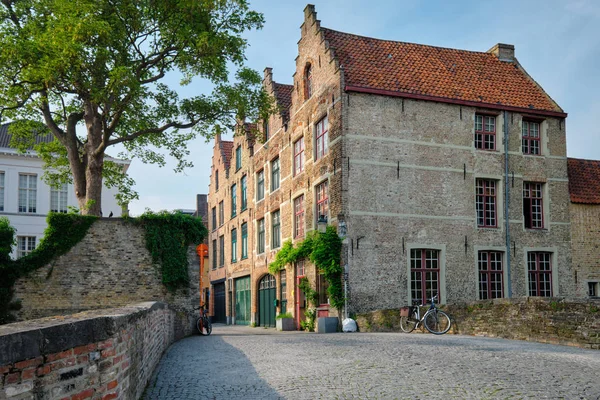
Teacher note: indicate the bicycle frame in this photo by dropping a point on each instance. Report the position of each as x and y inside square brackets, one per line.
[418, 310]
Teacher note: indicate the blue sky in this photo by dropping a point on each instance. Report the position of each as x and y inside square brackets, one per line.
[557, 42]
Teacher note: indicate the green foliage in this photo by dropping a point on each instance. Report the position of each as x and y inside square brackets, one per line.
[312, 296]
[309, 323]
[63, 232]
[66, 62]
[167, 238]
[284, 315]
[323, 250]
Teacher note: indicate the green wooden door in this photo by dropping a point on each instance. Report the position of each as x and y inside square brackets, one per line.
[242, 301]
[266, 301]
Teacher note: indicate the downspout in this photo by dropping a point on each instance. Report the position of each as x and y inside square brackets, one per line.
[506, 207]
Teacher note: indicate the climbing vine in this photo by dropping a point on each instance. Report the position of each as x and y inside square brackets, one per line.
[63, 232]
[167, 238]
[323, 250]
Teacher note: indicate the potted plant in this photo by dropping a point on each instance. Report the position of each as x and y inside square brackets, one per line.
[285, 322]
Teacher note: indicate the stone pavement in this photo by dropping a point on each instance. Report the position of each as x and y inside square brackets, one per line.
[256, 363]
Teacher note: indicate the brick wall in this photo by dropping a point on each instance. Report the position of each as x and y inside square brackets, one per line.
[556, 321]
[106, 354]
[110, 267]
[585, 232]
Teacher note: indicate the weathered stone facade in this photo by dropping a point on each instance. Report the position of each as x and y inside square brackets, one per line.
[110, 267]
[403, 172]
[585, 230]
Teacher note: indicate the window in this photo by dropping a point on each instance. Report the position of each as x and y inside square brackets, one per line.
[424, 274]
[307, 82]
[58, 199]
[25, 244]
[299, 216]
[593, 289]
[300, 268]
[321, 141]
[322, 201]
[233, 245]
[260, 185]
[322, 286]
[531, 138]
[27, 193]
[221, 251]
[539, 271]
[266, 130]
[238, 158]
[485, 203]
[532, 205]
[214, 218]
[260, 238]
[244, 193]
[221, 213]
[1, 191]
[298, 156]
[276, 229]
[233, 200]
[216, 180]
[485, 132]
[283, 291]
[275, 174]
[244, 240]
[214, 254]
[490, 275]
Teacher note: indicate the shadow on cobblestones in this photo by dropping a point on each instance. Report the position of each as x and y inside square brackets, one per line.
[200, 367]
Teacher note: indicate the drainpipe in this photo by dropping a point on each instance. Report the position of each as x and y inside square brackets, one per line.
[506, 200]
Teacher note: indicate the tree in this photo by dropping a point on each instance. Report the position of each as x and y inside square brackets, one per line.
[97, 67]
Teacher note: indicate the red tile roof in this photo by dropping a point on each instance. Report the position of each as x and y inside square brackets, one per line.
[435, 72]
[226, 150]
[283, 94]
[584, 180]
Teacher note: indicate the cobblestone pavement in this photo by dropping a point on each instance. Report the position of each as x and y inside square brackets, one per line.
[256, 363]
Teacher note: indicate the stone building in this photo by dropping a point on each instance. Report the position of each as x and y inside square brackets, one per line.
[448, 168]
[584, 187]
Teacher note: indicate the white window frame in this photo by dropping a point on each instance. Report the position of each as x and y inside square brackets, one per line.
[59, 198]
[25, 245]
[30, 193]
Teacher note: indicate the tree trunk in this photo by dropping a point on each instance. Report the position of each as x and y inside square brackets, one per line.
[90, 201]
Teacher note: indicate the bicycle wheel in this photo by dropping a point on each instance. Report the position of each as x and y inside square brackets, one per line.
[408, 324]
[437, 322]
[207, 327]
[199, 325]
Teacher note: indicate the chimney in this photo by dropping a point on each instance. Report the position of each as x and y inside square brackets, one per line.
[504, 52]
[202, 206]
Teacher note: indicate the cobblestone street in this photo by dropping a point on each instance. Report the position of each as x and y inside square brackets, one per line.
[257, 363]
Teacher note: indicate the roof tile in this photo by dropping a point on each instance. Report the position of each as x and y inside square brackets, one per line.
[584, 180]
[434, 71]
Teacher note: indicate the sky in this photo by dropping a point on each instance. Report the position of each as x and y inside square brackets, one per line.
[557, 42]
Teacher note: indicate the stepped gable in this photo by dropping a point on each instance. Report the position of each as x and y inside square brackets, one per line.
[435, 73]
[226, 150]
[584, 180]
[283, 94]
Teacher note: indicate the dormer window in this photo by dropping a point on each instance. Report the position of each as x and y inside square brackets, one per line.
[307, 82]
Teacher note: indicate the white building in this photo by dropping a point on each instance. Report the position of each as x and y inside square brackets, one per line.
[26, 199]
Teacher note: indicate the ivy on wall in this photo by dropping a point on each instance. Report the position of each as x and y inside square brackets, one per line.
[63, 232]
[323, 250]
[167, 238]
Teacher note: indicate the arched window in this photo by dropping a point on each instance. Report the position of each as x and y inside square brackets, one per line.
[307, 82]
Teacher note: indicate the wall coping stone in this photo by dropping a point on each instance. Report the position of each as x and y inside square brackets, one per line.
[33, 338]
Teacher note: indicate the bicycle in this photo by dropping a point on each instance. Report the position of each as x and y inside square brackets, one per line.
[203, 322]
[435, 320]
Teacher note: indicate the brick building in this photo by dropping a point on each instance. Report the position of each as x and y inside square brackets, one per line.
[448, 168]
[584, 187]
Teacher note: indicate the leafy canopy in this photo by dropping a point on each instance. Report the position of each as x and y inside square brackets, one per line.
[92, 72]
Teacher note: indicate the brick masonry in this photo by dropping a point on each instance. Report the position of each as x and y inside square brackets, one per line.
[110, 267]
[108, 354]
[585, 231]
[557, 321]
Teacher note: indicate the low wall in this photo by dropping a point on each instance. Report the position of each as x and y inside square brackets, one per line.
[557, 321]
[100, 354]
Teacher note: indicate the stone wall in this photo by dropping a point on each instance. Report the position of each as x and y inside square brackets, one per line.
[556, 321]
[110, 267]
[585, 232]
[106, 354]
